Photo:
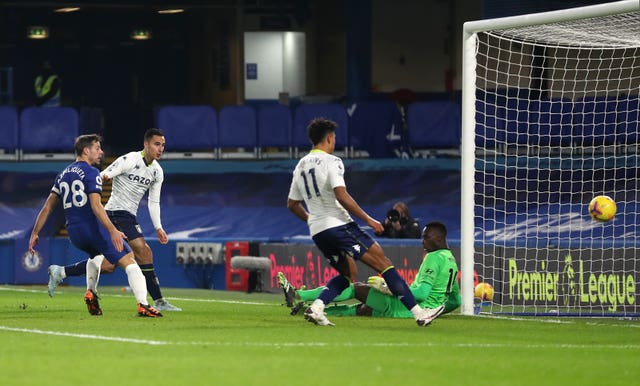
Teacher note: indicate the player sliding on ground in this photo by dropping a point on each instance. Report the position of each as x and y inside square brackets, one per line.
[318, 181]
[435, 284]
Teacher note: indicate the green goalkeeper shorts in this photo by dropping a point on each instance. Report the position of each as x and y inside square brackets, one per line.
[386, 306]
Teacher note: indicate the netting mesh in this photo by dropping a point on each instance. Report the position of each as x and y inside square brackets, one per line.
[557, 123]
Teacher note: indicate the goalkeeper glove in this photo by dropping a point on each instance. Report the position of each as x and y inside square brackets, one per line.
[378, 283]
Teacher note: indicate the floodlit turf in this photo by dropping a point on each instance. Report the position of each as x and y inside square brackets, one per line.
[233, 338]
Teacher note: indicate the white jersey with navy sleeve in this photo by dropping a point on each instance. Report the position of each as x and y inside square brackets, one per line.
[314, 178]
[132, 177]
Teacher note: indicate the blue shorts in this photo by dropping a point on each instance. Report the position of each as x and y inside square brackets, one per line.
[96, 241]
[338, 242]
[126, 223]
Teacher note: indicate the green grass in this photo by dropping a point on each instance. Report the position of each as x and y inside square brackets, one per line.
[233, 338]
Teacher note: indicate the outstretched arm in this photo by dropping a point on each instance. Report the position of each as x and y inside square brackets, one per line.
[43, 215]
[345, 199]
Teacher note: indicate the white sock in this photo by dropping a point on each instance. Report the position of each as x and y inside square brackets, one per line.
[416, 311]
[98, 259]
[137, 283]
[318, 305]
[93, 272]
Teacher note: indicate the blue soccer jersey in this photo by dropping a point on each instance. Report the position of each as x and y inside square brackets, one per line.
[73, 185]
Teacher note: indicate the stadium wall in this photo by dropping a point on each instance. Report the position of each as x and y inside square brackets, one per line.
[222, 201]
[299, 259]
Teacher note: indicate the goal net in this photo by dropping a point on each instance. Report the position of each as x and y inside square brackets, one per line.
[551, 120]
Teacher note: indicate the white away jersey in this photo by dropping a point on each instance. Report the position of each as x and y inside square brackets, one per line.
[131, 180]
[314, 179]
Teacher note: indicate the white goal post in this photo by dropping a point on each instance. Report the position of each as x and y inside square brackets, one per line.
[549, 120]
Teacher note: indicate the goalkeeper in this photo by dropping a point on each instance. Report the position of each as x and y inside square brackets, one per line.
[436, 283]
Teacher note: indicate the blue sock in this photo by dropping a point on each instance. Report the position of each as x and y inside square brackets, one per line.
[334, 287]
[77, 269]
[399, 287]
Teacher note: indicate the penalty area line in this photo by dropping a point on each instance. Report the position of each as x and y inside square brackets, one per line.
[85, 336]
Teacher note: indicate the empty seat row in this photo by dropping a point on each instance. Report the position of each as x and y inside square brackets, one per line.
[37, 132]
[591, 121]
[200, 131]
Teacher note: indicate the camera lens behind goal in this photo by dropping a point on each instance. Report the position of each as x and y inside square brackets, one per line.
[393, 215]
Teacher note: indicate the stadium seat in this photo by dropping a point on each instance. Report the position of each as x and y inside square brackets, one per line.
[237, 129]
[190, 131]
[9, 144]
[434, 125]
[274, 130]
[305, 113]
[372, 126]
[48, 132]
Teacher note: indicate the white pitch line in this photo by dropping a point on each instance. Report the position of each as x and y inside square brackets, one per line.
[532, 319]
[325, 344]
[498, 317]
[421, 344]
[85, 336]
[224, 301]
[630, 325]
[10, 289]
[206, 300]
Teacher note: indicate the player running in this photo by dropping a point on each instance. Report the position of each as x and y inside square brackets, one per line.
[133, 175]
[318, 181]
[79, 186]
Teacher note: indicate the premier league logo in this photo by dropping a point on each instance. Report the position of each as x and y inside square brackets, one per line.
[30, 262]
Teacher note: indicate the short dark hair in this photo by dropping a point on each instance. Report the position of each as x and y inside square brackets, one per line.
[319, 128]
[438, 227]
[84, 141]
[152, 132]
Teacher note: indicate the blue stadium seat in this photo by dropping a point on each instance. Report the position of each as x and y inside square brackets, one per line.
[48, 132]
[238, 128]
[434, 125]
[550, 123]
[190, 131]
[372, 126]
[274, 129]
[594, 121]
[305, 113]
[9, 133]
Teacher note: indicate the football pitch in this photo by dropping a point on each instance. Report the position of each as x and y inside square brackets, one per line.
[235, 338]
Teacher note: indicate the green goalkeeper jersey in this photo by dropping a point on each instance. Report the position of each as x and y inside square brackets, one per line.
[437, 280]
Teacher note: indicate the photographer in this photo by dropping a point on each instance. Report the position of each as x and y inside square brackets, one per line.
[399, 224]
